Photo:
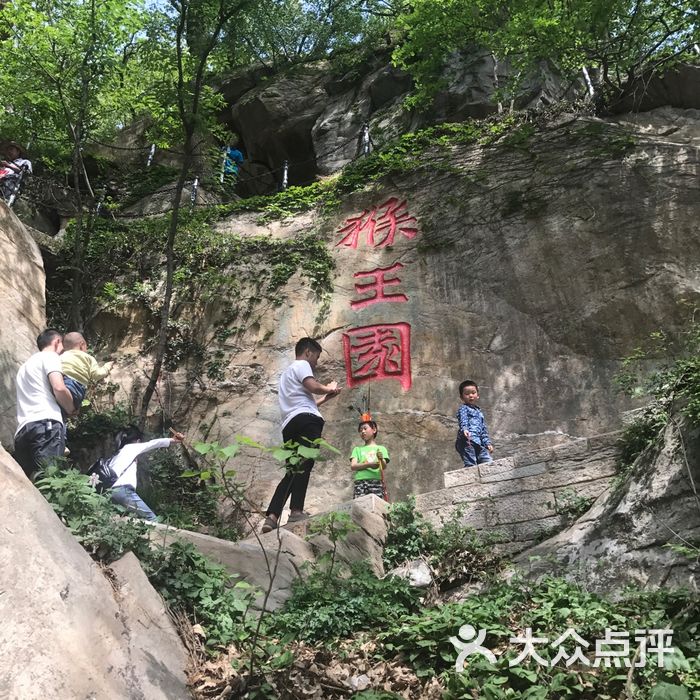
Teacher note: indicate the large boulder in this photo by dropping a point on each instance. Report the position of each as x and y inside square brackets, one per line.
[273, 562]
[679, 86]
[275, 120]
[22, 310]
[70, 633]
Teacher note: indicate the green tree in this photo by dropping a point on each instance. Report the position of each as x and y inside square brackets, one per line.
[618, 38]
[59, 61]
[277, 33]
[196, 27]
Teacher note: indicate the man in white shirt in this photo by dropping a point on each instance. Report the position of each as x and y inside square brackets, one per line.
[41, 393]
[300, 395]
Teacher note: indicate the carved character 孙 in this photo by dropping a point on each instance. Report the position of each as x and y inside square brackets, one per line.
[379, 225]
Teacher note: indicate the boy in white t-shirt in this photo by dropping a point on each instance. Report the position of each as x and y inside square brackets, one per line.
[300, 395]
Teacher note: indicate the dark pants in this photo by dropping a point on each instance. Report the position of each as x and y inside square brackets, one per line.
[39, 443]
[303, 429]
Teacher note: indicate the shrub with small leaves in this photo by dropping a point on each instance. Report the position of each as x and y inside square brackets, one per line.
[321, 609]
[206, 592]
[92, 517]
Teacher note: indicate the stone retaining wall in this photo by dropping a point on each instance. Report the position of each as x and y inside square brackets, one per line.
[529, 496]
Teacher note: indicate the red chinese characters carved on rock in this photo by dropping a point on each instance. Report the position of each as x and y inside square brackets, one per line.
[379, 225]
[382, 351]
[377, 286]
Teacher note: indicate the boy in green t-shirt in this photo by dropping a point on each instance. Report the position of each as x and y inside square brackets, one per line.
[364, 462]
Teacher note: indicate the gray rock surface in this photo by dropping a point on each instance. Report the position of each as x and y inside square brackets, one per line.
[416, 572]
[156, 649]
[623, 539]
[272, 562]
[22, 310]
[313, 118]
[537, 265]
[678, 87]
[66, 633]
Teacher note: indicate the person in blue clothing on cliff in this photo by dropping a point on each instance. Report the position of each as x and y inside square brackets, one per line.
[473, 441]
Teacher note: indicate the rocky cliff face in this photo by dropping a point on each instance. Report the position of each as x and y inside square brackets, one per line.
[70, 632]
[531, 265]
[22, 310]
[623, 539]
[312, 116]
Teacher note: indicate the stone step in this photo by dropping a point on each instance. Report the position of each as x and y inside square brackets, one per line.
[532, 462]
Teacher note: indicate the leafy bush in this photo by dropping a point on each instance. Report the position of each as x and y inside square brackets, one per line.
[186, 579]
[186, 503]
[90, 428]
[548, 608]
[640, 434]
[321, 609]
[674, 379]
[409, 535]
[456, 553]
[206, 592]
[92, 517]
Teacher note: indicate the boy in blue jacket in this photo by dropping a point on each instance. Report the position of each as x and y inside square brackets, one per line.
[473, 441]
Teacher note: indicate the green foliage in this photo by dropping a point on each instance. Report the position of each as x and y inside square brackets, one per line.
[549, 608]
[617, 39]
[186, 579]
[570, 505]
[422, 149]
[321, 609]
[456, 553]
[643, 432]
[675, 378]
[144, 181]
[459, 554]
[92, 517]
[282, 32]
[206, 593]
[66, 71]
[409, 533]
[288, 202]
[91, 427]
[245, 273]
[181, 502]
[336, 527]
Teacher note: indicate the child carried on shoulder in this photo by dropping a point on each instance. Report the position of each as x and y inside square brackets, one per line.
[80, 369]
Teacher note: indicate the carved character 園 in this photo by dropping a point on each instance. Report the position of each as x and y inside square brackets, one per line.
[381, 351]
